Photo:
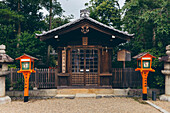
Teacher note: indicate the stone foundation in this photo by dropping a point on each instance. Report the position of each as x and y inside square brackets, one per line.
[165, 98]
[4, 100]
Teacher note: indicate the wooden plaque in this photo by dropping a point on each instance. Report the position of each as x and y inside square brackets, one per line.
[85, 41]
[63, 61]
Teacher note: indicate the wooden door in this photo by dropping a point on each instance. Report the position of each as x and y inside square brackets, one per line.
[84, 64]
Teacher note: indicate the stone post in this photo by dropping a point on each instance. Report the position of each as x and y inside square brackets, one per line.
[166, 72]
[4, 59]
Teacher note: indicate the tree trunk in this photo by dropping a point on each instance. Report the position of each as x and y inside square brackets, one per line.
[50, 26]
[19, 25]
[50, 16]
[154, 39]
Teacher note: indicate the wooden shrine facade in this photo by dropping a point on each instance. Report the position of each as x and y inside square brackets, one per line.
[85, 50]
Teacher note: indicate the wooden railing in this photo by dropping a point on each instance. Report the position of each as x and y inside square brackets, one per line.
[49, 78]
[43, 78]
[126, 77]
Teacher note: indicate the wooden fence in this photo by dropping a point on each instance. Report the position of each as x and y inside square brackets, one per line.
[126, 77]
[45, 78]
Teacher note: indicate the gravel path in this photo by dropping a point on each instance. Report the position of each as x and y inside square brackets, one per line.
[163, 104]
[78, 105]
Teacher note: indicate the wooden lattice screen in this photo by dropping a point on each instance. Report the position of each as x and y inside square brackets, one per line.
[84, 66]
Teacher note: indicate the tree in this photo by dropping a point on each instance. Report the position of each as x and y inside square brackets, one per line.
[59, 21]
[8, 25]
[148, 19]
[53, 7]
[105, 11]
[30, 10]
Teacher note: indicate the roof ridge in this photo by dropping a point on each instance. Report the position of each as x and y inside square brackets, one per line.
[82, 18]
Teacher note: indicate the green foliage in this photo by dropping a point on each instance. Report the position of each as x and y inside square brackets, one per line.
[7, 83]
[32, 46]
[19, 85]
[148, 19]
[12, 66]
[105, 11]
[54, 4]
[58, 21]
[29, 9]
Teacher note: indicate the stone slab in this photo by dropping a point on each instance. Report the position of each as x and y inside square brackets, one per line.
[165, 98]
[121, 92]
[64, 96]
[34, 93]
[106, 95]
[98, 96]
[85, 91]
[2, 86]
[4, 100]
[80, 95]
[157, 107]
[167, 85]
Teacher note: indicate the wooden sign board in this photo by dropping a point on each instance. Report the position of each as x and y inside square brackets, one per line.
[85, 41]
[63, 61]
[124, 55]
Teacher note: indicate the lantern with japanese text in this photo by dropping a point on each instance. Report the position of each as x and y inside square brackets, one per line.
[26, 67]
[144, 63]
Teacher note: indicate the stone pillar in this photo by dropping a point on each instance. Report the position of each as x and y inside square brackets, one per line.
[4, 59]
[166, 72]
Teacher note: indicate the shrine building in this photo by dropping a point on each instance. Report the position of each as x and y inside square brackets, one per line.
[85, 50]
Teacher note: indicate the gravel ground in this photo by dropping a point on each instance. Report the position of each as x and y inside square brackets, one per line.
[78, 105]
[163, 104]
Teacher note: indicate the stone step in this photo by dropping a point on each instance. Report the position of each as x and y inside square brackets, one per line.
[82, 95]
[54, 92]
[85, 91]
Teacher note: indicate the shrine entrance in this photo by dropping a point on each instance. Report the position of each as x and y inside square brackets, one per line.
[84, 64]
[84, 50]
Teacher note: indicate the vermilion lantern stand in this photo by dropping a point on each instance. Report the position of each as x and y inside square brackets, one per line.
[144, 63]
[26, 67]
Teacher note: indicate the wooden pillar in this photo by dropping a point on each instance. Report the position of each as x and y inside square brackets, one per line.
[69, 65]
[123, 64]
[48, 55]
[56, 78]
[99, 60]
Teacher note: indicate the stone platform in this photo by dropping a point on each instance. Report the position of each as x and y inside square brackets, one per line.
[165, 98]
[54, 92]
[4, 100]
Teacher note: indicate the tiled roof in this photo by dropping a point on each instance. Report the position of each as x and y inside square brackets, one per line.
[80, 19]
[140, 55]
[28, 56]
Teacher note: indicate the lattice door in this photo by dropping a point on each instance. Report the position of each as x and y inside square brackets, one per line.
[91, 61]
[84, 66]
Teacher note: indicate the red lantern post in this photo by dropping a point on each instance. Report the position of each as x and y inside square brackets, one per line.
[26, 68]
[144, 63]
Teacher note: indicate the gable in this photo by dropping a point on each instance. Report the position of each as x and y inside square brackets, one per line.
[91, 23]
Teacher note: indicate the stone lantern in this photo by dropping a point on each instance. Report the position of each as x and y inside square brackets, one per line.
[166, 72]
[4, 60]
